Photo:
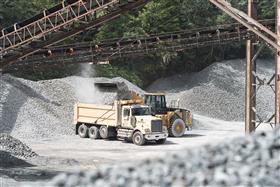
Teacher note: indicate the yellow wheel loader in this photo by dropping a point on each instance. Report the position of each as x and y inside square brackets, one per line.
[176, 119]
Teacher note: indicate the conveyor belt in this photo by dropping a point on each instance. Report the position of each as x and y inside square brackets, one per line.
[58, 23]
[86, 52]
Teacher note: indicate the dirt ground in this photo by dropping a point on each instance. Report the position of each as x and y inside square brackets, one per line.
[71, 153]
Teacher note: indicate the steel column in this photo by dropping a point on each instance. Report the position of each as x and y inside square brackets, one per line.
[277, 68]
[250, 95]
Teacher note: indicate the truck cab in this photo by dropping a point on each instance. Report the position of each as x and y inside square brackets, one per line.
[140, 125]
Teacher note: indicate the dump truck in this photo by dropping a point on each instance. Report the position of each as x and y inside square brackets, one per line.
[174, 118]
[125, 119]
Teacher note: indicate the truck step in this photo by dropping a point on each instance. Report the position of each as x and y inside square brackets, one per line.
[124, 133]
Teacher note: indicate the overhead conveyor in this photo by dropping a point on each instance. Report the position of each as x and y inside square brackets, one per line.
[95, 52]
[63, 15]
[58, 23]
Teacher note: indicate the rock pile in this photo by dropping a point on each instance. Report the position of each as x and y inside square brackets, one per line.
[44, 109]
[250, 161]
[218, 90]
[15, 147]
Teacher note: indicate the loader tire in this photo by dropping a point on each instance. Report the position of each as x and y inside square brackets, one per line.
[138, 138]
[83, 131]
[93, 132]
[103, 131]
[177, 128]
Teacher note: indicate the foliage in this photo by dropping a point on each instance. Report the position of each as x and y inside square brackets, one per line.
[12, 11]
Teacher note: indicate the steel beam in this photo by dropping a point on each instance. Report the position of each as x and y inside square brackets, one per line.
[250, 95]
[277, 68]
[248, 22]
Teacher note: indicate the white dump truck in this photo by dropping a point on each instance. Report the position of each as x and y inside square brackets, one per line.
[124, 120]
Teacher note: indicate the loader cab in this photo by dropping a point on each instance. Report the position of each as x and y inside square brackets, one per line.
[157, 102]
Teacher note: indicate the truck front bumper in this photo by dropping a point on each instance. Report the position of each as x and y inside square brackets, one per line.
[156, 136]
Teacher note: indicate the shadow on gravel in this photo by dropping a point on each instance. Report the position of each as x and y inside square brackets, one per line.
[9, 161]
[191, 135]
[27, 174]
[14, 100]
[155, 144]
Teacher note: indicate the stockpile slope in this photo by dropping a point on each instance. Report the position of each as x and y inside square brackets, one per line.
[218, 90]
[244, 161]
[44, 109]
[13, 152]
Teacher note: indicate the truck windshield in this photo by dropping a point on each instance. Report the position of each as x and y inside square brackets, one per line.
[141, 111]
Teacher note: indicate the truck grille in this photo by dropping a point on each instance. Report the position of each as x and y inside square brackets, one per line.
[156, 126]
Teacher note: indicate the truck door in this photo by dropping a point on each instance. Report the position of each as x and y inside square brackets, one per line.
[126, 117]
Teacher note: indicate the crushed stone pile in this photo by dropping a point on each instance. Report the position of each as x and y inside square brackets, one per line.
[15, 147]
[244, 161]
[44, 109]
[218, 91]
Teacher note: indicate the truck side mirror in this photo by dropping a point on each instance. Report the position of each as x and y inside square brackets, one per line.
[133, 121]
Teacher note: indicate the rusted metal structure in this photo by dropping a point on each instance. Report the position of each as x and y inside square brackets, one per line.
[251, 66]
[277, 68]
[67, 19]
[107, 50]
[253, 82]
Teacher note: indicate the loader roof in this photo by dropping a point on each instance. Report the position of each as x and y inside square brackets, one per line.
[155, 94]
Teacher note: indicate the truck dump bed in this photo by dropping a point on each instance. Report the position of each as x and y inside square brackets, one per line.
[95, 114]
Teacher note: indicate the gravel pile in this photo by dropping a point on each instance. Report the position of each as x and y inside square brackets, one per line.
[218, 90]
[250, 161]
[44, 109]
[15, 147]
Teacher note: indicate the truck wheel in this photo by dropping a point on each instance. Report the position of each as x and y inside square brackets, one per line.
[103, 131]
[177, 128]
[93, 132]
[161, 141]
[83, 131]
[138, 138]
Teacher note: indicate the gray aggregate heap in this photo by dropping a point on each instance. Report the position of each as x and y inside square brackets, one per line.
[44, 109]
[218, 90]
[250, 161]
[15, 147]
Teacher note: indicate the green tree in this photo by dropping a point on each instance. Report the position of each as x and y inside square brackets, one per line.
[12, 11]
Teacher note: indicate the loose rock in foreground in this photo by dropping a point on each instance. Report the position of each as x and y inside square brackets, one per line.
[15, 147]
[250, 161]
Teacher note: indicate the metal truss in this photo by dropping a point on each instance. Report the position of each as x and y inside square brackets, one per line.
[115, 48]
[70, 19]
[253, 25]
[112, 49]
[41, 25]
[256, 119]
[253, 83]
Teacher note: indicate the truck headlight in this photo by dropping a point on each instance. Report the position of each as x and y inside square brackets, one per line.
[147, 130]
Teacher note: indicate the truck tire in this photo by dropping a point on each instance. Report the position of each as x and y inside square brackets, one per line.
[161, 141]
[83, 131]
[138, 138]
[177, 128]
[93, 132]
[103, 131]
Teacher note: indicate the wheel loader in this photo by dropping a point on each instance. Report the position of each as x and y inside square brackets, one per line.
[174, 118]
